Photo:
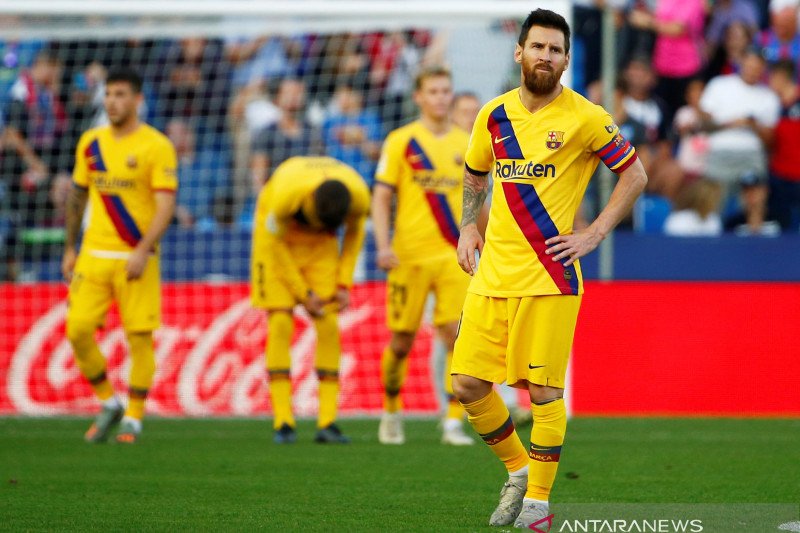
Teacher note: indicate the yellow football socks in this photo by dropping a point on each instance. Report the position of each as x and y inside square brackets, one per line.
[143, 369]
[328, 397]
[393, 374]
[327, 363]
[547, 436]
[491, 419]
[89, 359]
[280, 393]
[102, 387]
[136, 400]
[279, 360]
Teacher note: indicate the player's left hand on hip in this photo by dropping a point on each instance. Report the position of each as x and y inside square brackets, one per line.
[569, 248]
[136, 263]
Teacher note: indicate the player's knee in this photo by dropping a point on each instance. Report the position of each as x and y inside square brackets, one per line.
[541, 394]
[328, 341]
[281, 324]
[148, 365]
[79, 334]
[401, 344]
[327, 325]
[447, 334]
[468, 389]
[143, 354]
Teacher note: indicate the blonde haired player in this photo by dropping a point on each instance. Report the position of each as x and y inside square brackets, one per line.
[127, 173]
[542, 143]
[421, 163]
[297, 259]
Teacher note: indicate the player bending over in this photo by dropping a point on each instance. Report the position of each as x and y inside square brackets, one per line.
[296, 259]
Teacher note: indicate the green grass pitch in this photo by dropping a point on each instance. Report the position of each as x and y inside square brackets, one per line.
[202, 475]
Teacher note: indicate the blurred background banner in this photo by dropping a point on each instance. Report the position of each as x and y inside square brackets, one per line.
[641, 348]
[226, 81]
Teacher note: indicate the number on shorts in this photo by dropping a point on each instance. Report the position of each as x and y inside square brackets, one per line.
[397, 295]
[260, 279]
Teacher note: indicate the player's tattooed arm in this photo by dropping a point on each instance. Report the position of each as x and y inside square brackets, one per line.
[76, 205]
[476, 187]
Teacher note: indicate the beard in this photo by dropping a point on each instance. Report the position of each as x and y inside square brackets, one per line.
[121, 119]
[541, 83]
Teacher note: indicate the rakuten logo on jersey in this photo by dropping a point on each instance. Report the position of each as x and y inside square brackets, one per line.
[523, 170]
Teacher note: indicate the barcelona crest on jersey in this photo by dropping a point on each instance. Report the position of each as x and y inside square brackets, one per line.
[554, 140]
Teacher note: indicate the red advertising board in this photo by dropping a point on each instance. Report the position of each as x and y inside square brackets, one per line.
[210, 353]
[640, 348]
[688, 349]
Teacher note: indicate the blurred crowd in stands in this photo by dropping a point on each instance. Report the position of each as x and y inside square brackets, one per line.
[707, 92]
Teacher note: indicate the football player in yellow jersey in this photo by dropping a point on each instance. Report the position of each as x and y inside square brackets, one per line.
[466, 107]
[127, 173]
[541, 142]
[422, 164]
[296, 259]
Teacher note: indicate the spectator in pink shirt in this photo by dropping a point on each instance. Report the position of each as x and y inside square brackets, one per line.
[677, 56]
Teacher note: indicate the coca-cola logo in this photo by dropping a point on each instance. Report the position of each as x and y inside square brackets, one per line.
[210, 355]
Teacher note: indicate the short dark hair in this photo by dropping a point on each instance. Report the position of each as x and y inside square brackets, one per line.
[546, 19]
[784, 66]
[332, 201]
[125, 75]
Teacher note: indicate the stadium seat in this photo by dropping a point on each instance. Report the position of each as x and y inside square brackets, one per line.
[650, 212]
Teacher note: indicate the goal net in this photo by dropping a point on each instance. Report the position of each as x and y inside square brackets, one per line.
[219, 78]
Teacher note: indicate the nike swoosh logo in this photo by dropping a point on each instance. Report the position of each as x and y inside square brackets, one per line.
[532, 367]
[498, 141]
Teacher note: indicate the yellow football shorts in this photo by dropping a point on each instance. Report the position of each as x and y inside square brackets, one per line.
[516, 339]
[408, 286]
[317, 260]
[97, 281]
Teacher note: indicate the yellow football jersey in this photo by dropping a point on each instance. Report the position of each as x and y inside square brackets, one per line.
[541, 164]
[279, 215]
[122, 175]
[427, 172]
